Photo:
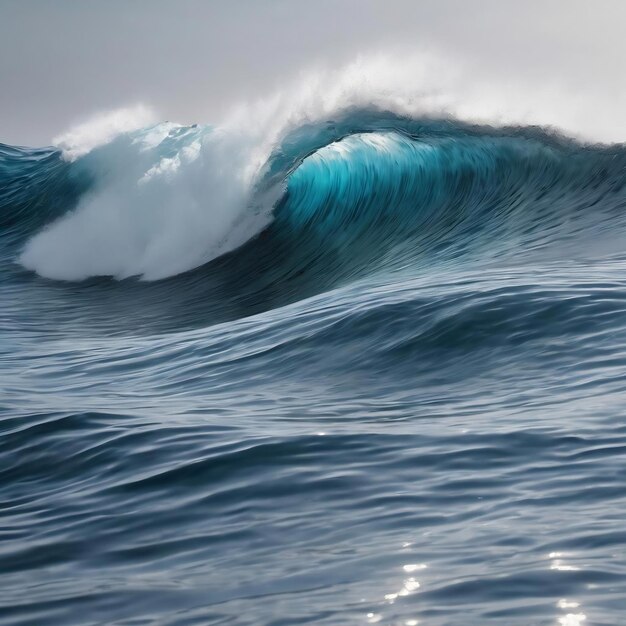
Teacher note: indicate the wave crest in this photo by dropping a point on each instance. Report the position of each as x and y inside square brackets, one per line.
[167, 198]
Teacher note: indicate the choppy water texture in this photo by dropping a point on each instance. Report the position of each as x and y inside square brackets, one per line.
[381, 379]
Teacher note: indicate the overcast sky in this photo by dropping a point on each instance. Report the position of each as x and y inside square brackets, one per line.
[63, 60]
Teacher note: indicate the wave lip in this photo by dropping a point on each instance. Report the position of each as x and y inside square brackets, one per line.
[102, 129]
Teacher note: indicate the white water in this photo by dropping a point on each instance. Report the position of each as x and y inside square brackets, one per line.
[102, 129]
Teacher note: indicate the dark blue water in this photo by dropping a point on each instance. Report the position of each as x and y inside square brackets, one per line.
[398, 396]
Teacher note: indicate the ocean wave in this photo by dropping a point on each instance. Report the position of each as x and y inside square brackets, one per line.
[351, 171]
[337, 199]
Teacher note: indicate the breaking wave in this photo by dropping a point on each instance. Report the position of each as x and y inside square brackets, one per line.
[379, 165]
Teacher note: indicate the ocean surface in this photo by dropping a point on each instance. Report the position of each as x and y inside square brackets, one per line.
[369, 370]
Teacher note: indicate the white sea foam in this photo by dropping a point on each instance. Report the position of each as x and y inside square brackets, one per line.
[103, 128]
[155, 215]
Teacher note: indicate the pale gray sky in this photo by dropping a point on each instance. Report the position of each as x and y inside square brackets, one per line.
[63, 60]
